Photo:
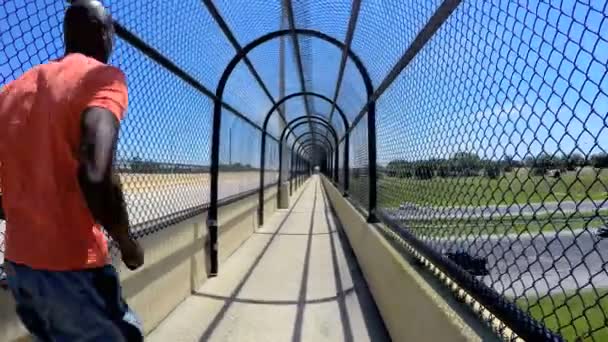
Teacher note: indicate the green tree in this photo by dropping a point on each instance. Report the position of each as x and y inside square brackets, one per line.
[600, 160]
[466, 163]
[574, 160]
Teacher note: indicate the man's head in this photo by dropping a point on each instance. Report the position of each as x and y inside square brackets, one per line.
[88, 30]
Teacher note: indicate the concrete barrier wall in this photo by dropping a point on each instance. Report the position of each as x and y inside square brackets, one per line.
[176, 263]
[411, 308]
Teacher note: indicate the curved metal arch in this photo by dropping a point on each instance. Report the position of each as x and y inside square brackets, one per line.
[316, 123]
[367, 81]
[311, 145]
[309, 133]
[288, 128]
[313, 117]
[212, 216]
[296, 151]
[299, 122]
[296, 122]
[307, 93]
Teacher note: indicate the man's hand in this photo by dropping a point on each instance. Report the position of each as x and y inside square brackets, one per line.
[132, 253]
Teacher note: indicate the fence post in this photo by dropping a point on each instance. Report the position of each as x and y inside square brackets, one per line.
[346, 164]
[371, 150]
[261, 189]
[212, 215]
[291, 173]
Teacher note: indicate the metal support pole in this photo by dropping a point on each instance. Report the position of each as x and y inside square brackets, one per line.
[291, 173]
[371, 147]
[346, 165]
[261, 189]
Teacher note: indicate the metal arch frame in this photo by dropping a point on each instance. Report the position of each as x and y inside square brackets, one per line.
[217, 117]
[326, 140]
[212, 217]
[307, 146]
[305, 93]
[296, 123]
[302, 148]
[309, 133]
[313, 117]
[309, 150]
[310, 144]
[290, 127]
[268, 116]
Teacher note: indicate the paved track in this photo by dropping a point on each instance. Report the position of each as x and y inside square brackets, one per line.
[535, 264]
[411, 211]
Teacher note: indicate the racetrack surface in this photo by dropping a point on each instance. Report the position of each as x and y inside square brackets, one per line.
[539, 263]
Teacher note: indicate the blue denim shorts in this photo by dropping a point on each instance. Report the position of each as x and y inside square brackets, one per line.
[67, 306]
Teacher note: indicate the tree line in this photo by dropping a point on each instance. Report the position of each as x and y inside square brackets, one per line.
[467, 164]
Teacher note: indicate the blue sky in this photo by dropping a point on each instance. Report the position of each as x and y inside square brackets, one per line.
[499, 77]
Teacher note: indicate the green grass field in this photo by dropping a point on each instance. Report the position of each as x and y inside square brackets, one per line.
[513, 187]
[577, 317]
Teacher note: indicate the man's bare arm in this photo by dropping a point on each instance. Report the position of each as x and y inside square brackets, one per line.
[102, 191]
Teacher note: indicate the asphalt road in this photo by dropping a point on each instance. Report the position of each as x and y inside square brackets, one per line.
[539, 263]
[411, 211]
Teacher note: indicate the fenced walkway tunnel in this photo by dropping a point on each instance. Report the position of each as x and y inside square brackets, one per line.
[351, 170]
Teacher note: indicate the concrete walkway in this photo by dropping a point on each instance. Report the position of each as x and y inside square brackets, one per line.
[293, 280]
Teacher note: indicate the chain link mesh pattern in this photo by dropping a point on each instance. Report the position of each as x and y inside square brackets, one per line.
[271, 175]
[182, 30]
[491, 149]
[163, 150]
[359, 164]
[491, 144]
[163, 153]
[31, 34]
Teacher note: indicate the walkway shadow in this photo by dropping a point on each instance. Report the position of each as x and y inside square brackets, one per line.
[233, 296]
[371, 316]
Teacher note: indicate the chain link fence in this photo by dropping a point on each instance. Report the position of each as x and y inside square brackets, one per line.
[164, 146]
[492, 152]
[489, 136]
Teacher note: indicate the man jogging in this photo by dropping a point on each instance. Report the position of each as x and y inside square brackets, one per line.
[59, 125]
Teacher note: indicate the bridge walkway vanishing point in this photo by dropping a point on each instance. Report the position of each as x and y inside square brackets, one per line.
[296, 279]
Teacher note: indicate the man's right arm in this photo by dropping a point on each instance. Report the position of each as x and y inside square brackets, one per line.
[102, 190]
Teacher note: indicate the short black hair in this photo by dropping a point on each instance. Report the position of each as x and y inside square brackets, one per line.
[88, 29]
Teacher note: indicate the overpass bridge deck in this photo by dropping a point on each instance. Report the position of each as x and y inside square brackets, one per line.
[295, 279]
